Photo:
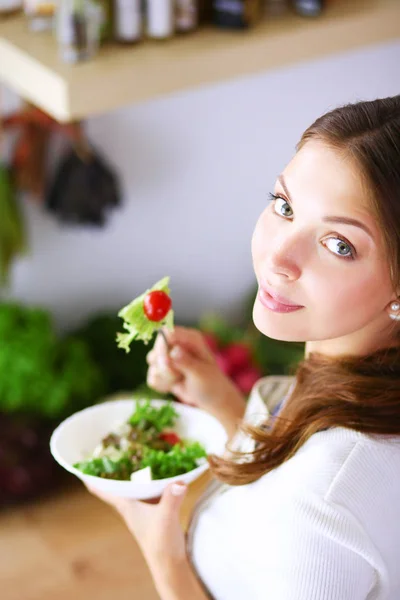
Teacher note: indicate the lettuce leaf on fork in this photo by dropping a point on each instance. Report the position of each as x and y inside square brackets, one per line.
[138, 326]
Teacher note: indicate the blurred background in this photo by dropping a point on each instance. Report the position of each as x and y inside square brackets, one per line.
[108, 189]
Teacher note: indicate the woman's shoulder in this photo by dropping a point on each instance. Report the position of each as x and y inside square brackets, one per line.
[346, 468]
[338, 464]
[367, 467]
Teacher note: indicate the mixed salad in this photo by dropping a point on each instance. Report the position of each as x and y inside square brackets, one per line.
[144, 448]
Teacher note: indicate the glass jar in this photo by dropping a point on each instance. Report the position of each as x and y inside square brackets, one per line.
[78, 29]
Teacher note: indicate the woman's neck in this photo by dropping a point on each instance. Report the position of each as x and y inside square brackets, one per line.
[342, 347]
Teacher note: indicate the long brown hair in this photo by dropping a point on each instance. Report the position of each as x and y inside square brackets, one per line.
[361, 393]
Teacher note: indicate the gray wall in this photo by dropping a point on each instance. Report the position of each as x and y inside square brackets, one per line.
[196, 168]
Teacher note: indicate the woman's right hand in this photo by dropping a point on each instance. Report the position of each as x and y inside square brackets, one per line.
[190, 372]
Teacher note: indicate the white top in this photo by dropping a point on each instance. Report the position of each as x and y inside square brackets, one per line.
[325, 525]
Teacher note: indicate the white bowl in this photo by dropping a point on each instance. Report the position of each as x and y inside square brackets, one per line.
[76, 438]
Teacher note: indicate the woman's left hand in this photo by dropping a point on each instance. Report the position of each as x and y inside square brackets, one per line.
[156, 527]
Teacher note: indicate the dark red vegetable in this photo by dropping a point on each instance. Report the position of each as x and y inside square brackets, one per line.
[171, 438]
[156, 305]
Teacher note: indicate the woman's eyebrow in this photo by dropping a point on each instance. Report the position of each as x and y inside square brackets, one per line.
[348, 221]
[331, 219]
[281, 180]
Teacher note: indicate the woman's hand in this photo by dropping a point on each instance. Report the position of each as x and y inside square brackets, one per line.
[191, 373]
[158, 531]
[156, 527]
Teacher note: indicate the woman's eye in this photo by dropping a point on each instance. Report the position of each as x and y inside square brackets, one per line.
[282, 207]
[340, 247]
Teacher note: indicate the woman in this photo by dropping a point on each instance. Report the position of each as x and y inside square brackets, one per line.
[312, 511]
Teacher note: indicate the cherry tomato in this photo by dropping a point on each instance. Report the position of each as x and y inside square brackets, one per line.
[156, 305]
[171, 438]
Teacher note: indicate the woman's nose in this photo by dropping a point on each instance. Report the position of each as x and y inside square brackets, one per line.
[284, 260]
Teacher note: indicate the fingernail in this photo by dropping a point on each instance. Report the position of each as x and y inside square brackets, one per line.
[176, 353]
[178, 489]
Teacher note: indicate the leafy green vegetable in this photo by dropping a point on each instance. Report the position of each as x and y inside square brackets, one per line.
[145, 448]
[179, 460]
[137, 324]
[146, 416]
[106, 467]
[40, 373]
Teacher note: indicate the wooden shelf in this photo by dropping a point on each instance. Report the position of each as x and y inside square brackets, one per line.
[121, 76]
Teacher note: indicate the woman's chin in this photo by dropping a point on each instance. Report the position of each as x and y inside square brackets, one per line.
[278, 326]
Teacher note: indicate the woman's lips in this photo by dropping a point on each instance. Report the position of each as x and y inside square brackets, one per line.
[274, 304]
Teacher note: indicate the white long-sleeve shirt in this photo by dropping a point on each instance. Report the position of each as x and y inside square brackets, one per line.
[325, 525]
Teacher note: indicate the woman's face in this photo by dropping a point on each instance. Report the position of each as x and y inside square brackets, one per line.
[319, 258]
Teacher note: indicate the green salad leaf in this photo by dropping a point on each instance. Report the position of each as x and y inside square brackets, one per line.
[106, 467]
[147, 416]
[137, 324]
[179, 460]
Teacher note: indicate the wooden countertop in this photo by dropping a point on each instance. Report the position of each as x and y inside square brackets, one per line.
[121, 76]
[73, 547]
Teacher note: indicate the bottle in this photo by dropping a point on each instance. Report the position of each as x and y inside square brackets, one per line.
[236, 14]
[186, 15]
[128, 21]
[160, 19]
[78, 29]
[308, 8]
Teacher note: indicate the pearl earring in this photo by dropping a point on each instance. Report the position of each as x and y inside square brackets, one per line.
[395, 306]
